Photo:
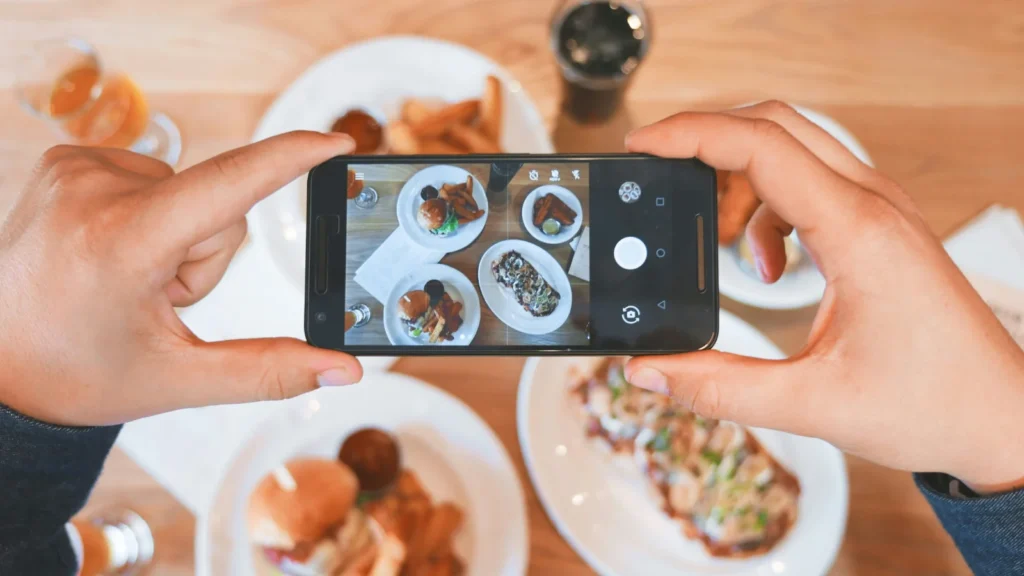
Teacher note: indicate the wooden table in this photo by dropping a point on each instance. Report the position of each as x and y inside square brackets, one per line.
[932, 88]
[367, 230]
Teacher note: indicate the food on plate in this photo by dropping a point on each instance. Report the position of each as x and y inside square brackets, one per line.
[444, 210]
[424, 529]
[736, 205]
[472, 140]
[373, 455]
[490, 109]
[794, 255]
[434, 289]
[467, 127]
[712, 476]
[437, 217]
[512, 271]
[550, 206]
[354, 186]
[306, 518]
[302, 516]
[363, 128]
[439, 319]
[428, 193]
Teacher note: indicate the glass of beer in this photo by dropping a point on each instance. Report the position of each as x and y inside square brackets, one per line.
[63, 82]
[598, 46]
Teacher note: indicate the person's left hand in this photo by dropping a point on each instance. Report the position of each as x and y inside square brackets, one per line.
[95, 255]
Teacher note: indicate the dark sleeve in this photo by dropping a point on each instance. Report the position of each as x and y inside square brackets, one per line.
[988, 530]
[46, 473]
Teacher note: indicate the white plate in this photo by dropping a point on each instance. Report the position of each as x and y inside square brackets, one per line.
[455, 454]
[501, 301]
[409, 201]
[378, 75]
[563, 194]
[802, 287]
[605, 513]
[459, 288]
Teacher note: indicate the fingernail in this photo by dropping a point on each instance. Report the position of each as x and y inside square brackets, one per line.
[345, 142]
[760, 270]
[649, 379]
[334, 377]
[629, 136]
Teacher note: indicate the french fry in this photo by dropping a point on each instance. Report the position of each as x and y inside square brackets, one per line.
[402, 139]
[542, 208]
[390, 556]
[441, 147]
[362, 563]
[415, 111]
[491, 109]
[444, 522]
[435, 125]
[472, 139]
[436, 333]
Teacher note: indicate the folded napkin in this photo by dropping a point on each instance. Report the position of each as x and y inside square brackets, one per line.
[992, 245]
[396, 257]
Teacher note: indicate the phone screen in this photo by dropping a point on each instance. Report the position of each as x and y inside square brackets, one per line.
[520, 254]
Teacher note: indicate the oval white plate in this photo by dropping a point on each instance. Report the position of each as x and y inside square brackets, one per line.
[459, 288]
[378, 74]
[504, 305]
[563, 194]
[409, 201]
[603, 509]
[802, 287]
[456, 455]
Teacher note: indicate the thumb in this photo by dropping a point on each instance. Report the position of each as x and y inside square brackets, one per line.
[235, 371]
[718, 385]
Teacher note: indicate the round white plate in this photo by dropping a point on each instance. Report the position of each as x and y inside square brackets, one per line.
[501, 301]
[563, 194]
[409, 201]
[802, 287]
[455, 454]
[378, 74]
[603, 508]
[459, 288]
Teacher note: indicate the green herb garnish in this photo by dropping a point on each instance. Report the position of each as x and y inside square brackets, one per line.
[762, 520]
[417, 332]
[661, 442]
[713, 457]
[451, 224]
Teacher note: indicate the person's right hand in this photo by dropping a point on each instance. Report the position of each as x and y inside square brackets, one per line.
[905, 364]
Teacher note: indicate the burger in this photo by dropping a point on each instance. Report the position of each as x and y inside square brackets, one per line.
[437, 217]
[303, 517]
[414, 311]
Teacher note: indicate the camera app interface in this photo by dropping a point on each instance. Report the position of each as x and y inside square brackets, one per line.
[469, 254]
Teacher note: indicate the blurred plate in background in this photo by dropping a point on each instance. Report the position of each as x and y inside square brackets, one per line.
[378, 75]
[605, 513]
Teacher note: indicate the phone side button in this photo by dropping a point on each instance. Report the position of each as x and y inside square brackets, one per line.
[320, 274]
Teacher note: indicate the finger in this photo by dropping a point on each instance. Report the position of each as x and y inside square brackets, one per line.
[724, 386]
[207, 198]
[134, 163]
[267, 369]
[766, 233]
[785, 174]
[204, 266]
[830, 150]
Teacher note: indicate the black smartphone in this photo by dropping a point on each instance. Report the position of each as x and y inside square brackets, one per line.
[512, 255]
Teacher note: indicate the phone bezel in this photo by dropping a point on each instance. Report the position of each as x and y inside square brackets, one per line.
[710, 260]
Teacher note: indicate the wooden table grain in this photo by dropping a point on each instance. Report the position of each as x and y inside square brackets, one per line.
[932, 88]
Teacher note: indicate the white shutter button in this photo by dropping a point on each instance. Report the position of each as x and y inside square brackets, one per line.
[630, 253]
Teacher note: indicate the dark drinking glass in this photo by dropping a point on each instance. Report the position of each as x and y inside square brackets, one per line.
[501, 175]
[598, 46]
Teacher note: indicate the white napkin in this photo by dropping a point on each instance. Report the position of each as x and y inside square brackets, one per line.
[187, 451]
[396, 257]
[992, 244]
